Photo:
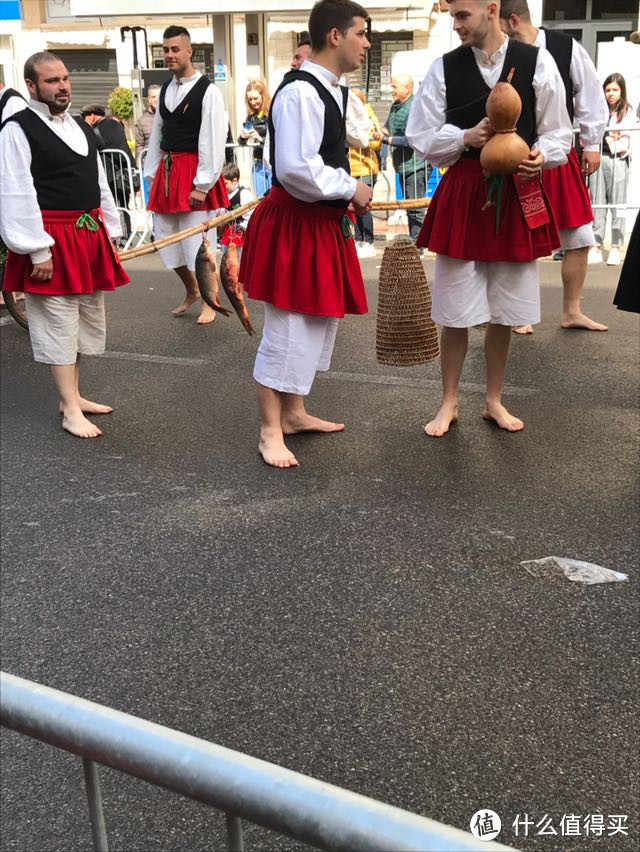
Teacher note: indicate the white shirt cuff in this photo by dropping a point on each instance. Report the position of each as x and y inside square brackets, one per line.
[40, 256]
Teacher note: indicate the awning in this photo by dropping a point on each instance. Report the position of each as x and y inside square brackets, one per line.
[74, 38]
[106, 8]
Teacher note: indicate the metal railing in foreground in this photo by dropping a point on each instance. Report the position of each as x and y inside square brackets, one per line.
[244, 787]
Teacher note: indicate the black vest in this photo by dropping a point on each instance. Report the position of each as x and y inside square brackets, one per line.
[181, 128]
[63, 179]
[560, 46]
[4, 97]
[333, 148]
[467, 91]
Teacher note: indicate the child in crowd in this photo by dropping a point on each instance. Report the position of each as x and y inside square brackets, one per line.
[238, 195]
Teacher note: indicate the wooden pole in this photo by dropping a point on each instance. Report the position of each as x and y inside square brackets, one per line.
[149, 248]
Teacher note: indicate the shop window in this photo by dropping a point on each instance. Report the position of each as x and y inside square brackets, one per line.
[564, 10]
[603, 10]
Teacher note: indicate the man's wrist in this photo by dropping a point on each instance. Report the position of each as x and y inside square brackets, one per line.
[40, 256]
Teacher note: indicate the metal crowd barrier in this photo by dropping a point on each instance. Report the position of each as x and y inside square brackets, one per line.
[121, 179]
[243, 787]
[617, 164]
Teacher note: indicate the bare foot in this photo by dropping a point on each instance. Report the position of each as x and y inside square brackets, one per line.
[78, 425]
[207, 315]
[89, 407]
[440, 424]
[499, 415]
[522, 329]
[274, 451]
[582, 321]
[185, 304]
[293, 425]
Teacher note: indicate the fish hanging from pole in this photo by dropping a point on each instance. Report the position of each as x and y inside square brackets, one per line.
[229, 267]
[208, 278]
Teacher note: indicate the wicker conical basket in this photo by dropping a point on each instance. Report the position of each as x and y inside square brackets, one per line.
[405, 332]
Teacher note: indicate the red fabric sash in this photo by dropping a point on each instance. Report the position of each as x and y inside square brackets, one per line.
[532, 202]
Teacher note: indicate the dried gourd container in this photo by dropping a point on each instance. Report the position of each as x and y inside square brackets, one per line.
[405, 332]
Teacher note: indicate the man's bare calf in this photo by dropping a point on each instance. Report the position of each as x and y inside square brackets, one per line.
[574, 272]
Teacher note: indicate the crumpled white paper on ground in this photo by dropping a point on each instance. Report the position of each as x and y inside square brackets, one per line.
[573, 569]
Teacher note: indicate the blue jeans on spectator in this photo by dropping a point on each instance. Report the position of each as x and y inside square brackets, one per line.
[364, 224]
[260, 177]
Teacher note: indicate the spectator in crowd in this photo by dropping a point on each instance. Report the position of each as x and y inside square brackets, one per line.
[612, 179]
[238, 195]
[254, 130]
[364, 166]
[412, 171]
[145, 122]
[303, 52]
[110, 134]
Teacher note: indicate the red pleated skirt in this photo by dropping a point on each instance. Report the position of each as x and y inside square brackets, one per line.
[568, 194]
[456, 224]
[182, 171]
[296, 257]
[83, 261]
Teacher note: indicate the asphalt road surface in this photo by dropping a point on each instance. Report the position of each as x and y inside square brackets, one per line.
[362, 619]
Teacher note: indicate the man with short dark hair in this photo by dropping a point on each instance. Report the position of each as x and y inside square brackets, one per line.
[144, 125]
[302, 53]
[185, 159]
[565, 185]
[55, 208]
[299, 255]
[486, 270]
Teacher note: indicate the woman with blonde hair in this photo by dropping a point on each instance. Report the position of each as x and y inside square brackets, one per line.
[254, 130]
[364, 166]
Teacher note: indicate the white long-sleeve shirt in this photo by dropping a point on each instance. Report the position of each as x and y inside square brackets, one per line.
[20, 217]
[13, 105]
[589, 103]
[211, 139]
[298, 118]
[357, 122]
[442, 144]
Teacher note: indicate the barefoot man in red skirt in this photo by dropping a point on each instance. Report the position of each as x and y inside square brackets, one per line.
[565, 185]
[299, 256]
[55, 209]
[486, 268]
[185, 160]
